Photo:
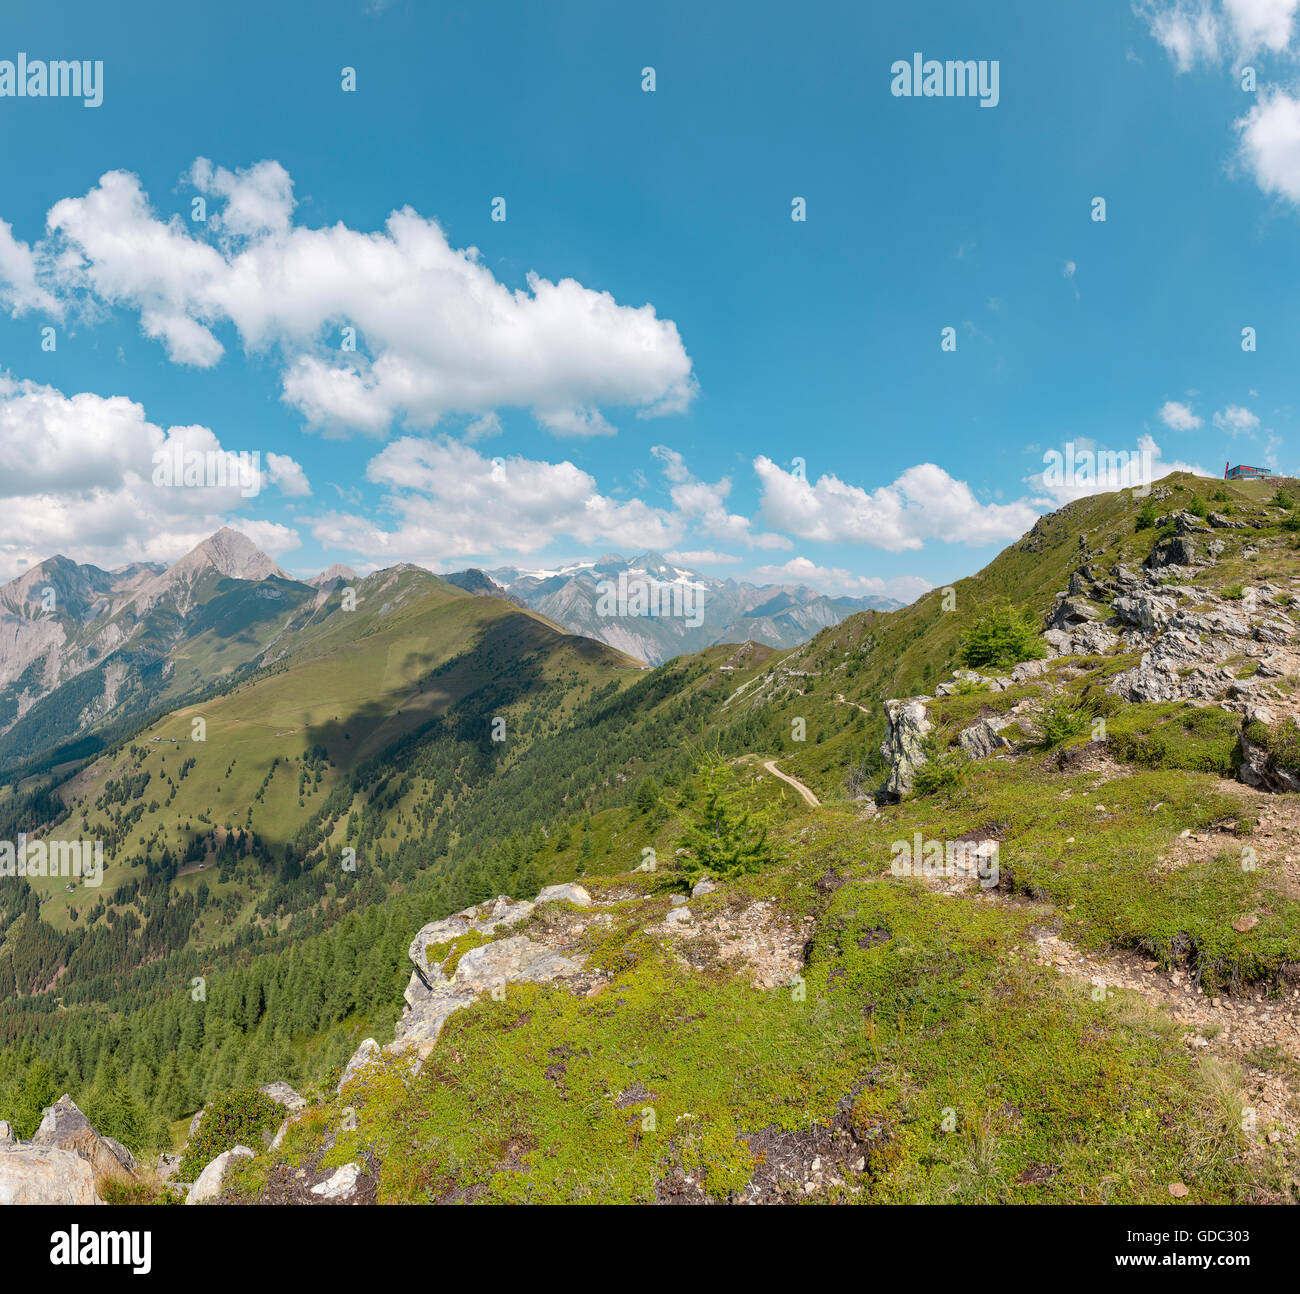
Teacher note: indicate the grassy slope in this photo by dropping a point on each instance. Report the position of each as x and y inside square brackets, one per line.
[968, 1072]
[353, 684]
[962, 1070]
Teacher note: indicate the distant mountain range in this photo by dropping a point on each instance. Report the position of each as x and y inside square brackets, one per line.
[84, 651]
[653, 609]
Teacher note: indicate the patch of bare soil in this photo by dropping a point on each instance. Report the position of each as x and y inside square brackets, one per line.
[755, 939]
[793, 1166]
[287, 1185]
[1258, 1033]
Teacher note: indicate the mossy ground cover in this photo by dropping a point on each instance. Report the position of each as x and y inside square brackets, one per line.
[975, 1076]
[1175, 735]
[1095, 851]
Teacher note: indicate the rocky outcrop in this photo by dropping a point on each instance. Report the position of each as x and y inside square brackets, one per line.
[1177, 550]
[1258, 768]
[64, 1127]
[484, 918]
[432, 995]
[365, 1055]
[1145, 611]
[904, 744]
[212, 1179]
[282, 1094]
[32, 1174]
[1087, 639]
[340, 1184]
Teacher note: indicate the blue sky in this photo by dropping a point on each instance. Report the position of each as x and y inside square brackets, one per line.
[638, 353]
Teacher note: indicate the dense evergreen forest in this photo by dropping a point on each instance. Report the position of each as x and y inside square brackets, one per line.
[124, 1011]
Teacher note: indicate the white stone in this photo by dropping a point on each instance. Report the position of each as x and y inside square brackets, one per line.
[210, 1180]
[342, 1183]
[574, 894]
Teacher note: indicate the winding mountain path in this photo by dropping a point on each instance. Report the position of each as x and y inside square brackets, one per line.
[770, 765]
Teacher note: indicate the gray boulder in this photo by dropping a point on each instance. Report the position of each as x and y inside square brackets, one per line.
[6, 1133]
[571, 893]
[903, 747]
[982, 738]
[1175, 551]
[1144, 610]
[1028, 669]
[64, 1127]
[282, 1094]
[212, 1178]
[1069, 613]
[340, 1184]
[32, 1174]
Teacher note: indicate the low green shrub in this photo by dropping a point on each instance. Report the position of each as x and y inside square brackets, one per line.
[1001, 638]
[235, 1118]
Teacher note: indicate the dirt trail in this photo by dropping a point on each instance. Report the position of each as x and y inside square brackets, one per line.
[843, 700]
[1252, 1030]
[809, 797]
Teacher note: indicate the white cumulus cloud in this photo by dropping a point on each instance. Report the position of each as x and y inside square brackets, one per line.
[1179, 416]
[923, 503]
[77, 477]
[371, 328]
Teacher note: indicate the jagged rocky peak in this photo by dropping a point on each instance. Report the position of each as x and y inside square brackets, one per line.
[336, 574]
[473, 580]
[231, 553]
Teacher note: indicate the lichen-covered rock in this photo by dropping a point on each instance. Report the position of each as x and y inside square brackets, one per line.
[365, 1055]
[212, 1178]
[282, 1094]
[432, 997]
[168, 1167]
[64, 1127]
[982, 738]
[574, 894]
[507, 961]
[32, 1174]
[340, 1184]
[904, 744]
[483, 918]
